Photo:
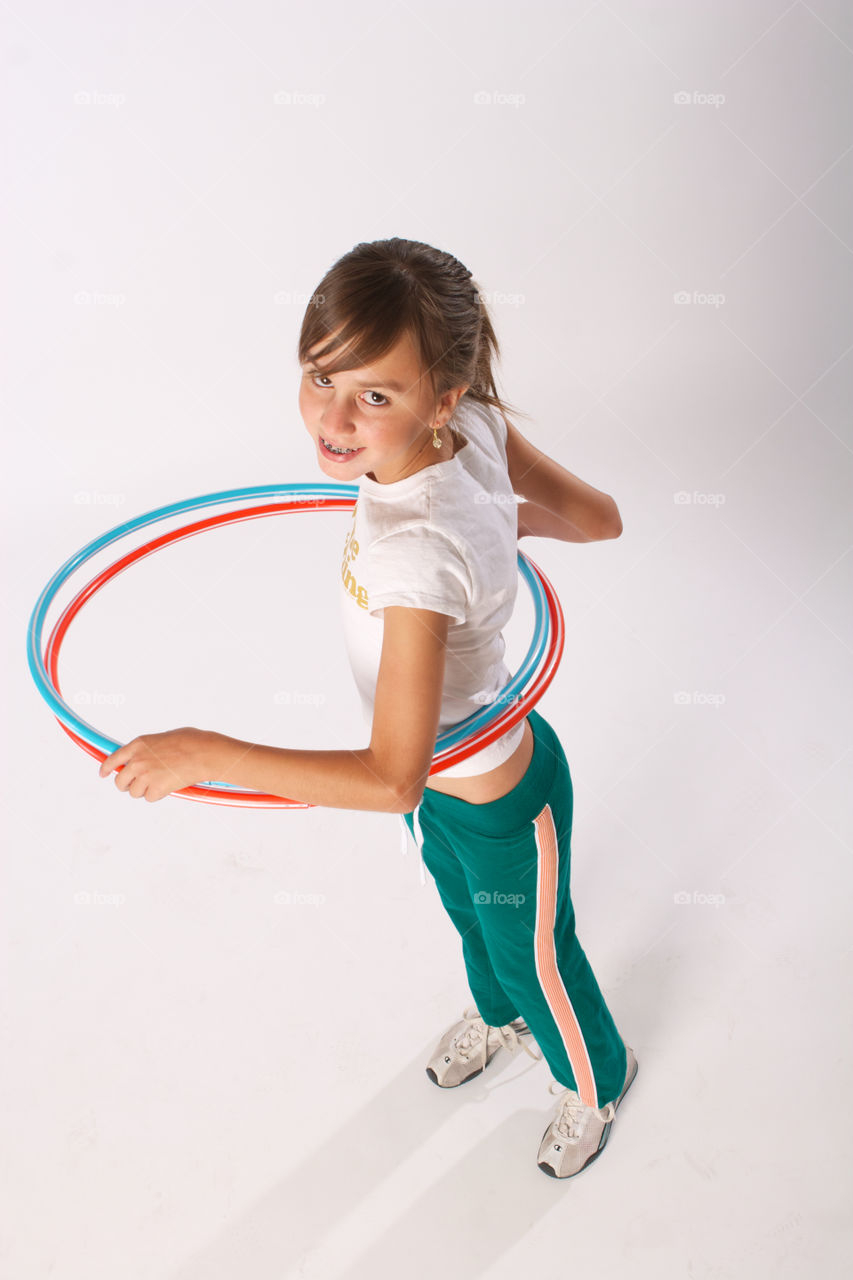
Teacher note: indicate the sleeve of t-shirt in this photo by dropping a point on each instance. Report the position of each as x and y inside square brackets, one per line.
[499, 432]
[419, 567]
[490, 428]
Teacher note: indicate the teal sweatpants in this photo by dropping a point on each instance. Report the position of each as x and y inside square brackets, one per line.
[502, 872]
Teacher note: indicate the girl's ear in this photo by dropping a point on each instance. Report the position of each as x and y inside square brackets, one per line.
[456, 395]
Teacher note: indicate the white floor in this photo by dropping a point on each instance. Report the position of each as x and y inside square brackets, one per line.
[216, 1021]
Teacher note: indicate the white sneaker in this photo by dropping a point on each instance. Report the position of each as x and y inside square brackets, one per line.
[469, 1046]
[577, 1134]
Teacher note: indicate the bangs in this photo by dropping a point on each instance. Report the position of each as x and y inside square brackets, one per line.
[356, 348]
[366, 322]
[368, 312]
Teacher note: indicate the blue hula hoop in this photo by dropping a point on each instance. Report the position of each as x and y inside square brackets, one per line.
[460, 732]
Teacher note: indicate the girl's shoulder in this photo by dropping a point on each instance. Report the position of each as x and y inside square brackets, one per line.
[485, 426]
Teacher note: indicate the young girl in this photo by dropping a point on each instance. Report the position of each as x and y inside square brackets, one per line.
[398, 394]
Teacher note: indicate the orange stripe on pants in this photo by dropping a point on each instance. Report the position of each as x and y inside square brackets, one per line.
[546, 958]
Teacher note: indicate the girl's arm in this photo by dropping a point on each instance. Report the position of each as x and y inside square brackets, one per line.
[538, 522]
[559, 504]
[334, 779]
[155, 765]
[389, 775]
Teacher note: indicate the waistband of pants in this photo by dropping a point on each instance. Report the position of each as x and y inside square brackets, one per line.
[518, 806]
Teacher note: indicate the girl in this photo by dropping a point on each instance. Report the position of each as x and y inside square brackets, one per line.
[398, 393]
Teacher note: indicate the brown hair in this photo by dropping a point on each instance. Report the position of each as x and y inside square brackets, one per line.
[383, 289]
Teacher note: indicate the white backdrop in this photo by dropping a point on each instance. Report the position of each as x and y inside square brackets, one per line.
[200, 1079]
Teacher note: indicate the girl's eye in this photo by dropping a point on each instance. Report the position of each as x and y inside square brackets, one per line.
[373, 404]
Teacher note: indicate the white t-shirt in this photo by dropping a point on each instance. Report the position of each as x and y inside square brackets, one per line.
[445, 538]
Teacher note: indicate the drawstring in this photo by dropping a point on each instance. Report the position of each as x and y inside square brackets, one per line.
[416, 822]
[419, 839]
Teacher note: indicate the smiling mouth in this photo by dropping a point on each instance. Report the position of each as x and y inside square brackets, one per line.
[338, 452]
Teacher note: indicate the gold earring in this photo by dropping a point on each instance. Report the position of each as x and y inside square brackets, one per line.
[435, 440]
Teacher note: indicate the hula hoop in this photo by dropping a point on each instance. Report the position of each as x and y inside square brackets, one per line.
[521, 692]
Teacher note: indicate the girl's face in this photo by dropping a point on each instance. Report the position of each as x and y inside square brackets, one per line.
[385, 411]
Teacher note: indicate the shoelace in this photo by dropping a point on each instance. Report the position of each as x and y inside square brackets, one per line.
[472, 1037]
[574, 1114]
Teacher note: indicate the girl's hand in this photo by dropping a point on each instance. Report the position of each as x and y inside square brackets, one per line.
[155, 765]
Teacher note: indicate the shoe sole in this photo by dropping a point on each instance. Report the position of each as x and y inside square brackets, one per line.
[605, 1134]
[434, 1078]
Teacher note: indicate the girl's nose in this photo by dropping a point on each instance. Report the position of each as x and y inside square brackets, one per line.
[336, 420]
